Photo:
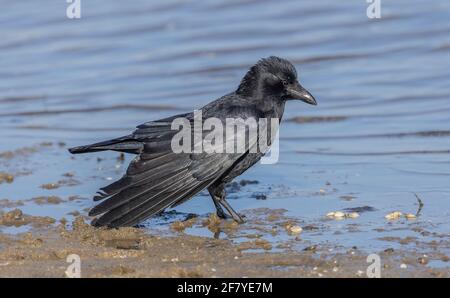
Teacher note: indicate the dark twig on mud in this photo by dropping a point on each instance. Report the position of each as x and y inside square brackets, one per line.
[420, 204]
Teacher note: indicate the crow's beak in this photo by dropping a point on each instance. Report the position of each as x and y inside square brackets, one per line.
[298, 92]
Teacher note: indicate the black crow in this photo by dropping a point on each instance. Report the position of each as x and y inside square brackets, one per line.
[159, 178]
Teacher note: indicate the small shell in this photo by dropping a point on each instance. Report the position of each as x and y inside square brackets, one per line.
[295, 229]
[352, 215]
[339, 214]
[410, 216]
[393, 215]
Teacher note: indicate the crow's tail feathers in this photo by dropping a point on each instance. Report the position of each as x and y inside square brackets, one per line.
[124, 144]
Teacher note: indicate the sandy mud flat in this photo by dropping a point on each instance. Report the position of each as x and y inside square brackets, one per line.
[38, 233]
[135, 252]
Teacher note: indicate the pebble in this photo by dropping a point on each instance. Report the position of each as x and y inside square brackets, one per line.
[403, 266]
[295, 229]
[393, 215]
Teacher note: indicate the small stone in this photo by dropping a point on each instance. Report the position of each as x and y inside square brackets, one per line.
[403, 266]
[295, 229]
[393, 215]
[422, 261]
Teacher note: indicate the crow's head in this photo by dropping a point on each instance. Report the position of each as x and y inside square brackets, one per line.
[274, 77]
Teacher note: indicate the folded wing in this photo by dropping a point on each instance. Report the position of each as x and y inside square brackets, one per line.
[158, 178]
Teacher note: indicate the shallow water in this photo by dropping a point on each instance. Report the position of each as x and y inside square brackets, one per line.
[379, 134]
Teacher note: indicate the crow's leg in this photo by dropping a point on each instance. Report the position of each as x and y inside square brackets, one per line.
[230, 210]
[219, 211]
[217, 193]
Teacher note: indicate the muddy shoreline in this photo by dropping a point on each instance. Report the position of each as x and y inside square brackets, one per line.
[134, 252]
[37, 234]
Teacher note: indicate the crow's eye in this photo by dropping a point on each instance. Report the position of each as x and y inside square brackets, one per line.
[285, 83]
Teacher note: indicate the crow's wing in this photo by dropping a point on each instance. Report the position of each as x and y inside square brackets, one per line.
[159, 178]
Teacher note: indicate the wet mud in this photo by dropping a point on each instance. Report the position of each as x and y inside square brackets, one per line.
[133, 252]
